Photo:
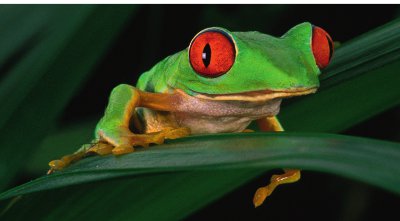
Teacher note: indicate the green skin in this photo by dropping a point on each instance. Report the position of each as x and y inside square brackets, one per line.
[171, 100]
[263, 63]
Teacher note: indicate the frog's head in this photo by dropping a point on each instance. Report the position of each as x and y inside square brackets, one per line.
[224, 65]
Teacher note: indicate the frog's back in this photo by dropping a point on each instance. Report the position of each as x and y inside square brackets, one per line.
[155, 79]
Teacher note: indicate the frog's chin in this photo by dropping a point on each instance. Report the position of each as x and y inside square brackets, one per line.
[257, 96]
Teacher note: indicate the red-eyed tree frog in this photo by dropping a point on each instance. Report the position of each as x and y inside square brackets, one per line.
[223, 81]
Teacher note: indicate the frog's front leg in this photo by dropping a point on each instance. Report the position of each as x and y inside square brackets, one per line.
[113, 128]
[112, 132]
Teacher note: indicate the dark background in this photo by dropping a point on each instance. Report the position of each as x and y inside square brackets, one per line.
[156, 31]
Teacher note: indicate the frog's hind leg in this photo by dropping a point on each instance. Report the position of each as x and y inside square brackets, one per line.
[289, 176]
[269, 124]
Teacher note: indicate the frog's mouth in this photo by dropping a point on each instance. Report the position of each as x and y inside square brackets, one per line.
[255, 96]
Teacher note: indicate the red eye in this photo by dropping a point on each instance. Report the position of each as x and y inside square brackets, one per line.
[322, 47]
[212, 53]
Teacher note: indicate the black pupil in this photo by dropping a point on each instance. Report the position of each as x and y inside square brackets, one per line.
[206, 55]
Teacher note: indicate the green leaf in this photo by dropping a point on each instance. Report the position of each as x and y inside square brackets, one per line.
[45, 63]
[228, 156]
[180, 181]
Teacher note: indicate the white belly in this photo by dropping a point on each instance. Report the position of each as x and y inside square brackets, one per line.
[207, 124]
[203, 116]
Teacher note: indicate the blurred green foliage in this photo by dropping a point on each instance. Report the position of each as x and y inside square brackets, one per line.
[48, 56]
[59, 63]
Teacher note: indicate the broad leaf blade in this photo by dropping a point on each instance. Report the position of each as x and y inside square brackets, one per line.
[231, 157]
[131, 198]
